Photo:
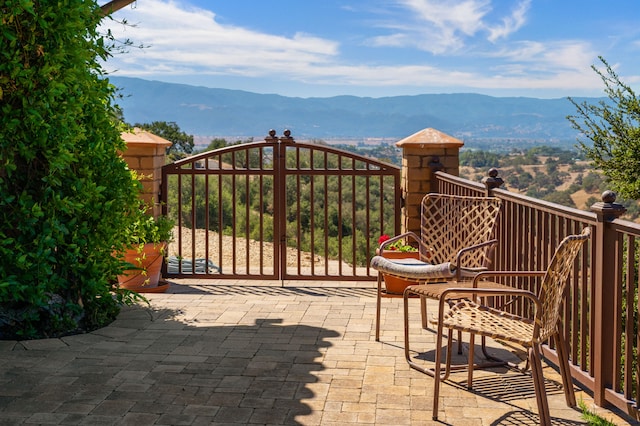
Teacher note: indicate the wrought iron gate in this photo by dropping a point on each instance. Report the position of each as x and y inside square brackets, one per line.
[278, 209]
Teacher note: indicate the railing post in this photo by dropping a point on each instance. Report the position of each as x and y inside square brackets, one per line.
[604, 301]
[434, 166]
[279, 223]
[492, 181]
[423, 154]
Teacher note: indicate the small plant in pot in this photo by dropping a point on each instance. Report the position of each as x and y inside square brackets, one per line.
[398, 246]
[148, 240]
[396, 250]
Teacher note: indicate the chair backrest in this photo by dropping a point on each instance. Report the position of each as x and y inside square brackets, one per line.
[554, 283]
[452, 222]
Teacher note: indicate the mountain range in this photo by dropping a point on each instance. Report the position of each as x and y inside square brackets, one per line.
[476, 119]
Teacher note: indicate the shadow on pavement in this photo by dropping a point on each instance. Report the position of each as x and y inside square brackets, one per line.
[150, 367]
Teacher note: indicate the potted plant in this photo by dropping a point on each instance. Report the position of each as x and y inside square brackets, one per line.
[148, 240]
[396, 250]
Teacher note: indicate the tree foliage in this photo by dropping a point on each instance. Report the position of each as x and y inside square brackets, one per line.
[217, 143]
[59, 171]
[613, 127]
[478, 159]
[181, 142]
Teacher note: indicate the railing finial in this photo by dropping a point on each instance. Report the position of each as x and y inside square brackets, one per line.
[492, 181]
[607, 209]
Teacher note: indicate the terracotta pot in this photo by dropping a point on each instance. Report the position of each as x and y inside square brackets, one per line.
[395, 285]
[148, 263]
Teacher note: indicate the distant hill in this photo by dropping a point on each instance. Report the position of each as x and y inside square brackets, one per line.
[478, 120]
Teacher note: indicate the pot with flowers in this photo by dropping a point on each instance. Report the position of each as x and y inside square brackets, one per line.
[148, 240]
[395, 250]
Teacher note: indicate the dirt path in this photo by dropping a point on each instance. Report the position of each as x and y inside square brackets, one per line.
[247, 252]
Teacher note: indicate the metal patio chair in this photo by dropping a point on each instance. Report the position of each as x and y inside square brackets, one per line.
[454, 244]
[460, 309]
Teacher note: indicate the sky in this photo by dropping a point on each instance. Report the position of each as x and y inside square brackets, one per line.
[379, 48]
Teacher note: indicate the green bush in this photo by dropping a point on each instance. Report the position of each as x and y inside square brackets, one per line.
[144, 228]
[612, 132]
[65, 193]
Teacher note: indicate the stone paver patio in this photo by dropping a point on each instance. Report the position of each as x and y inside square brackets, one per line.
[256, 353]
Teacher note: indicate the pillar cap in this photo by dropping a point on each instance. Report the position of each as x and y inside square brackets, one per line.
[141, 137]
[430, 138]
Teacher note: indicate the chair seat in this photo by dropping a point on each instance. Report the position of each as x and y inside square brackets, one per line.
[414, 269]
[470, 317]
[434, 290]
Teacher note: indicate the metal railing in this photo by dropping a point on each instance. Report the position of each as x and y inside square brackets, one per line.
[278, 209]
[601, 312]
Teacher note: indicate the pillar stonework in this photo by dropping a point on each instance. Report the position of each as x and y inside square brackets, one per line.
[424, 153]
[146, 154]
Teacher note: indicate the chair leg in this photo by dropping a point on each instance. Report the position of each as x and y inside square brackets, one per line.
[425, 321]
[405, 300]
[436, 375]
[423, 312]
[472, 345]
[407, 346]
[407, 349]
[538, 384]
[565, 372]
[378, 301]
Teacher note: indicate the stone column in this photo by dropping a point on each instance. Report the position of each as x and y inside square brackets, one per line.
[423, 154]
[145, 154]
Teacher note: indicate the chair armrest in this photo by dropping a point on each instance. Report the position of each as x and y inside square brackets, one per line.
[506, 274]
[474, 247]
[474, 293]
[468, 249]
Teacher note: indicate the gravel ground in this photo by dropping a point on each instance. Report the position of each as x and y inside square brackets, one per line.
[242, 253]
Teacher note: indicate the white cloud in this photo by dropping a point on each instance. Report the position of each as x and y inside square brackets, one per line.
[510, 24]
[436, 26]
[451, 15]
[181, 39]
[443, 26]
[192, 43]
[426, 77]
[551, 56]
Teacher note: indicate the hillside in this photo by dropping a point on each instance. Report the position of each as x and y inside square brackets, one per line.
[480, 121]
[548, 173]
[570, 180]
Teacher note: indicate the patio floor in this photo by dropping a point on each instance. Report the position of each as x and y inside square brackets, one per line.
[257, 353]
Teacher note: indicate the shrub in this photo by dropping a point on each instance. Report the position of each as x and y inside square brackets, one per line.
[64, 191]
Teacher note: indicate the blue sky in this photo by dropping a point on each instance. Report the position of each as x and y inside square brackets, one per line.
[376, 48]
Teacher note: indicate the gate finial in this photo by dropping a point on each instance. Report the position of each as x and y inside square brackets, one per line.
[287, 136]
[272, 136]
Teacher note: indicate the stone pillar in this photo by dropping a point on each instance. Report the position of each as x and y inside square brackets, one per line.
[423, 154]
[145, 154]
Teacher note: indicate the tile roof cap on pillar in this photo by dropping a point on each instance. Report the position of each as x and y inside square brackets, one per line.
[142, 137]
[430, 138]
